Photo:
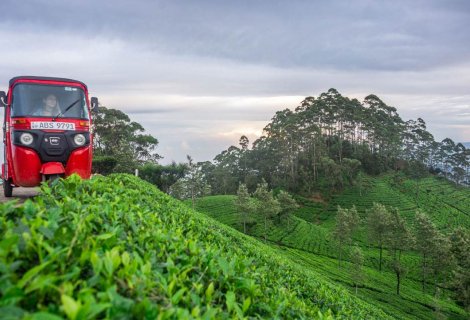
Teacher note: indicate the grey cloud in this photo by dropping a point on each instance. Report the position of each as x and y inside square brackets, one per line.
[197, 74]
[371, 35]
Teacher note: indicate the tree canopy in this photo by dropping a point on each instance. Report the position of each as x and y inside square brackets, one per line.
[327, 140]
[117, 137]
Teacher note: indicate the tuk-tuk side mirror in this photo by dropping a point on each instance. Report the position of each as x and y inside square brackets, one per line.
[94, 104]
[3, 99]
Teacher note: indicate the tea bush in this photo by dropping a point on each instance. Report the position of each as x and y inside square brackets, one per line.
[306, 241]
[116, 247]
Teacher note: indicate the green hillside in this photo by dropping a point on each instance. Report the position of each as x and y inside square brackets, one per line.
[306, 239]
[116, 247]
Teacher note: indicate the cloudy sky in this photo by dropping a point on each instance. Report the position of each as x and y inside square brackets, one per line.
[199, 74]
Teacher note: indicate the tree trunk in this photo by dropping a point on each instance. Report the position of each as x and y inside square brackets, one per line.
[314, 163]
[417, 191]
[398, 282]
[244, 223]
[423, 281]
[265, 227]
[340, 254]
[380, 258]
[193, 197]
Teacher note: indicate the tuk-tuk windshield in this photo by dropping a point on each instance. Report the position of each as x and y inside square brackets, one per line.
[35, 100]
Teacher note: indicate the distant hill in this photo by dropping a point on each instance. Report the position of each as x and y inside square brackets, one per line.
[466, 144]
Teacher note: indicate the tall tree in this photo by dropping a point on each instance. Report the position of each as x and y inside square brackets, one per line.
[441, 261]
[226, 171]
[426, 236]
[347, 220]
[267, 206]
[163, 176]
[400, 239]
[350, 168]
[193, 185]
[379, 224]
[288, 206]
[243, 158]
[357, 259]
[447, 150]
[460, 242]
[115, 135]
[243, 204]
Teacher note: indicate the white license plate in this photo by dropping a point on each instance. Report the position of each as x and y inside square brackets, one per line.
[50, 125]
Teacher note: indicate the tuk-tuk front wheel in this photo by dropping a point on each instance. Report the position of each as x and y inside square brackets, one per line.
[53, 177]
[7, 188]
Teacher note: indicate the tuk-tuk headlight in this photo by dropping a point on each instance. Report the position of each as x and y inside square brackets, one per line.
[79, 139]
[26, 138]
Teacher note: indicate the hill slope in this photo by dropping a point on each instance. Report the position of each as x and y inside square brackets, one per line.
[116, 247]
[306, 241]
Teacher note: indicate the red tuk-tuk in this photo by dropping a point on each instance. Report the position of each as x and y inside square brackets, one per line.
[46, 131]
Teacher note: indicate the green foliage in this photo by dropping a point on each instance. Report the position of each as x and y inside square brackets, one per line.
[192, 185]
[357, 258]
[399, 240]
[244, 204]
[288, 206]
[116, 247]
[447, 205]
[460, 242]
[324, 142]
[163, 176]
[427, 241]
[347, 221]
[307, 241]
[116, 136]
[266, 204]
[104, 164]
[379, 227]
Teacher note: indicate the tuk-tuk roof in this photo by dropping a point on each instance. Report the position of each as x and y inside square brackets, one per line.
[13, 80]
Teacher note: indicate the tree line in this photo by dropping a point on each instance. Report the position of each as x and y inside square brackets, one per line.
[323, 144]
[327, 141]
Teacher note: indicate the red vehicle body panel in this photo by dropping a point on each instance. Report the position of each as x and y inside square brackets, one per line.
[26, 168]
[23, 165]
[80, 163]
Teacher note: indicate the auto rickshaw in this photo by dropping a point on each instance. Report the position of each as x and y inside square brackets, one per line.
[46, 131]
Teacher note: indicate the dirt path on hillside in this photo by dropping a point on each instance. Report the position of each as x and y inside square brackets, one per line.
[20, 193]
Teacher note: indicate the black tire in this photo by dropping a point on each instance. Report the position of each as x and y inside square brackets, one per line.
[7, 188]
[53, 177]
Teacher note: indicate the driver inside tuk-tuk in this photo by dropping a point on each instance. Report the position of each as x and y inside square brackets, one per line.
[50, 107]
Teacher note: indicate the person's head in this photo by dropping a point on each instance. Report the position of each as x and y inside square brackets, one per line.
[50, 102]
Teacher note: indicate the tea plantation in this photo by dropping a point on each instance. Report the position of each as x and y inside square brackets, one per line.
[306, 239]
[117, 248]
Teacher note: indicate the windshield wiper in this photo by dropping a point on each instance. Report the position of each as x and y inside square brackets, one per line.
[66, 109]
